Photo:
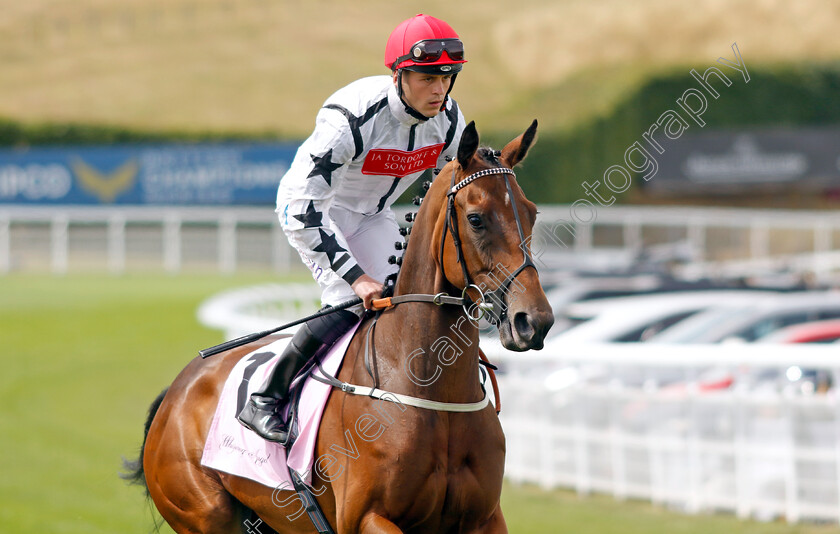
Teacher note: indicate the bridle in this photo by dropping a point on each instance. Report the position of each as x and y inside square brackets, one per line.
[492, 300]
[489, 302]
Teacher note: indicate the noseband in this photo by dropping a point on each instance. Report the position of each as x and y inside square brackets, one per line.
[496, 296]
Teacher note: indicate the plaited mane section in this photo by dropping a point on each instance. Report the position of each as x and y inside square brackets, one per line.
[391, 280]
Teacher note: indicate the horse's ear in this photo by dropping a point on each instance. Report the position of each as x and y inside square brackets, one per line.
[516, 150]
[468, 145]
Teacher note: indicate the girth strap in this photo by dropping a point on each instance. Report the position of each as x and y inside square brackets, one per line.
[313, 509]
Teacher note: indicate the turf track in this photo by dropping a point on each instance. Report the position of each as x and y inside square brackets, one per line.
[82, 358]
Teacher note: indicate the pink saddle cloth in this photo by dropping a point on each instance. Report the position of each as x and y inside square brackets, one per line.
[232, 448]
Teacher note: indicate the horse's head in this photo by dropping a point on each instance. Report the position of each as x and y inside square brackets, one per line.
[483, 237]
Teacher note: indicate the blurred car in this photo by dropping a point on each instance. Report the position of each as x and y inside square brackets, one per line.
[563, 290]
[748, 322]
[578, 289]
[640, 317]
[766, 317]
[629, 319]
[803, 380]
[719, 316]
[827, 331]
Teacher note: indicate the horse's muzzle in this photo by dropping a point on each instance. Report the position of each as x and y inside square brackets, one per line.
[525, 330]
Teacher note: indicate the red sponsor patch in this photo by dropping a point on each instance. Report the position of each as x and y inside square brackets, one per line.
[399, 163]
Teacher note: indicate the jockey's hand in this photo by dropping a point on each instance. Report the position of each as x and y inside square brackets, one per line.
[368, 289]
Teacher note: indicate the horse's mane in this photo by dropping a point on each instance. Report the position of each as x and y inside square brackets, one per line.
[489, 155]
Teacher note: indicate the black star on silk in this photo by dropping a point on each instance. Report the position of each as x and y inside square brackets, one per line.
[324, 166]
[356, 123]
[329, 245]
[311, 218]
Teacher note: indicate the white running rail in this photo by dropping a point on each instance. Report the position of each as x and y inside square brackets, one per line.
[701, 428]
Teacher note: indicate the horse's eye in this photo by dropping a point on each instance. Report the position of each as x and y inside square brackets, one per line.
[475, 221]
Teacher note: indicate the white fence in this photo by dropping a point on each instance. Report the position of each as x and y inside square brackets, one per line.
[696, 242]
[700, 428]
[119, 239]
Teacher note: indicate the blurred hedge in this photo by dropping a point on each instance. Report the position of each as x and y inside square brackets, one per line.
[789, 95]
[784, 95]
[16, 134]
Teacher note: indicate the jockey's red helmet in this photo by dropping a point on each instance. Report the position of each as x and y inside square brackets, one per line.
[424, 44]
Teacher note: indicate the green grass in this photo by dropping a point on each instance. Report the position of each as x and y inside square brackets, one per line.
[82, 358]
[529, 510]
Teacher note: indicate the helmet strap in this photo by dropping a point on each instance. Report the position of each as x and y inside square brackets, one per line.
[446, 96]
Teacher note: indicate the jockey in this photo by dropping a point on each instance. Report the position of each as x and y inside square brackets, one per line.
[372, 140]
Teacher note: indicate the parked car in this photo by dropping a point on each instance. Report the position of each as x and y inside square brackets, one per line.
[639, 317]
[627, 319]
[748, 322]
[566, 291]
[804, 380]
[827, 331]
[563, 290]
[592, 288]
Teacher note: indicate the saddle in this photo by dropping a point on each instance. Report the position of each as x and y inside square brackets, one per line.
[232, 448]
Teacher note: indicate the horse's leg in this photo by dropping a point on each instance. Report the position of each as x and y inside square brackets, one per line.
[190, 497]
[197, 504]
[376, 524]
[282, 510]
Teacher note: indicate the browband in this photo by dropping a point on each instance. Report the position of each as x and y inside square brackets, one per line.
[476, 175]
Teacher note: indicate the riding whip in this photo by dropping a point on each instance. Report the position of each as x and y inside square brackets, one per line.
[244, 340]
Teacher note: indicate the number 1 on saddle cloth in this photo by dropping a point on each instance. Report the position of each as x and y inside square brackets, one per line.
[262, 413]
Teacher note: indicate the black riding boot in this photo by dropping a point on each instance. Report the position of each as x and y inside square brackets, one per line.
[261, 413]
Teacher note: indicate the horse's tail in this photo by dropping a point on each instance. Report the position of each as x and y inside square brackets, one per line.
[134, 473]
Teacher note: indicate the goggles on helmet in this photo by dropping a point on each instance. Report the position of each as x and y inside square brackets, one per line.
[431, 50]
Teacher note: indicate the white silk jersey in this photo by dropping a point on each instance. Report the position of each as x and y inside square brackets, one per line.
[365, 151]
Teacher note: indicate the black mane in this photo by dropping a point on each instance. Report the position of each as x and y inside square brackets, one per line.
[489, 155]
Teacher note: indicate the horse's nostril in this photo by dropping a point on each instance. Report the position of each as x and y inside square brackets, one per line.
[524, 326]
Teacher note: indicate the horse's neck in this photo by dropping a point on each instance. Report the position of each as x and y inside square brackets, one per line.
[447, 368]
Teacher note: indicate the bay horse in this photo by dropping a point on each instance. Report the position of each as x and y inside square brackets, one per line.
[427, 470]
